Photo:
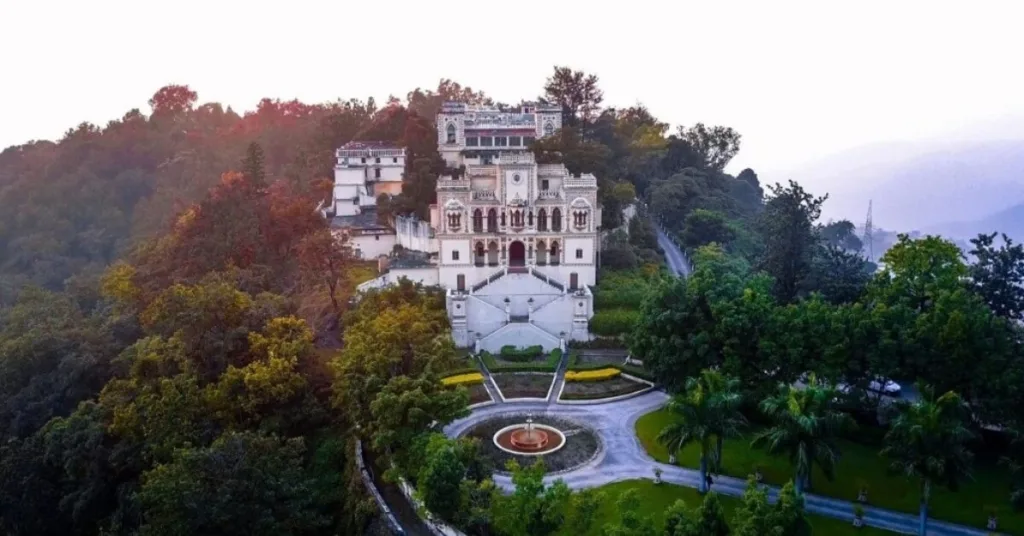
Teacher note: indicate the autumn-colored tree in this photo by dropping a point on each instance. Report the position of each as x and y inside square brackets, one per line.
[173, 100]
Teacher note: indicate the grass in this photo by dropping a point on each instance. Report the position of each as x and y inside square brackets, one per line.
[625, 289]
[361, 271]
[547, 363]
[990, 486]
[655, 499]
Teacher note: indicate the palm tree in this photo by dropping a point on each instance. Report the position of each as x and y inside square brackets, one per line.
[696, 416]
[927, 440]
[724, 392]
[807, 424]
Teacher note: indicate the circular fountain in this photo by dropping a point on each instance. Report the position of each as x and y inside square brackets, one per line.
[529, 439]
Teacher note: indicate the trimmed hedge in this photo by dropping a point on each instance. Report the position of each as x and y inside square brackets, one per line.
[625, 288]
[596, 375]
[599, 343]
[471, 378]
[614, 321]
[511, 353]
[549, 365]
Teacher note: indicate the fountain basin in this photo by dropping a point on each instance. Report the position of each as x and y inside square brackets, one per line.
[529, 439]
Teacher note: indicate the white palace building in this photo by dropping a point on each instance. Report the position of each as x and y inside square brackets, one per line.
[513, 242]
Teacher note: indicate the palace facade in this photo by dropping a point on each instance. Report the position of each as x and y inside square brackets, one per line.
[514, 242]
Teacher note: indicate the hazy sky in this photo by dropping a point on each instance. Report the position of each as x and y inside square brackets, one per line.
[799, 80]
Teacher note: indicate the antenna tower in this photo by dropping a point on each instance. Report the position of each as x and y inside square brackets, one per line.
[869, 235]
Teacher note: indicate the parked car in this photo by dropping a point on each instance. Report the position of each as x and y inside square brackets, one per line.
[887, 387]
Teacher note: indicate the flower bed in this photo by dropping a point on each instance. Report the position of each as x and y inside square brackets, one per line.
[470, 378]
[618, 386]
[598, 375]
[524, 385]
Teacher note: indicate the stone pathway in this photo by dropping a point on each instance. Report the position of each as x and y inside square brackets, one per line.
[624, 458]
[489, 383]
[559, 378]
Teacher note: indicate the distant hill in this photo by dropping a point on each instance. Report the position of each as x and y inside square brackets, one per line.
[1009, 221]
[921, 186]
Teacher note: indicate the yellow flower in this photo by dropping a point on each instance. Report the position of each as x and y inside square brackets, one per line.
[598, 375]
[471, 378]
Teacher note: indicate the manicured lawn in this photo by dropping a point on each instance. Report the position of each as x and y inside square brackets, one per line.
[967, 506]
[656, 499]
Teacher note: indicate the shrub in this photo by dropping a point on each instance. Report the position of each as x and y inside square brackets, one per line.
[511, 353]
[626, 289]
[599, 343]
[598, 375]
[471, 378]
[614, 321]
[619, 257]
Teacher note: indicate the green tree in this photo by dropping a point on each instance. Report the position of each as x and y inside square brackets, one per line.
[703, 227]
[916, 271]
[841, 276]
[841, 234]
[631, 521]
[695, 415]
[928, 441]
[576, 92]
[532, 509]
[440, 481]
[998, 275]
[711, 518]
[243, 484]
[583, 507]
[253, 166]
[716, 145]
[407, 407]
[806, 426]
[787, 230]
[756, 516]
[725, 398]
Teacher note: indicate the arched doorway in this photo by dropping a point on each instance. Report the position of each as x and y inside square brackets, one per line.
[516, 254]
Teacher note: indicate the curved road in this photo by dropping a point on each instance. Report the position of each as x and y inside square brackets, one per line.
[675, 258]
[624, 458]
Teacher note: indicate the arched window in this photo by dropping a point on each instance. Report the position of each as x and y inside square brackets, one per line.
[481, 254]
[502, 218]
[451, 133]
[542, 220]
[556, 219]
[554, 253]
[478, 221]
[549, 129]
[492, 221]
[529, 218]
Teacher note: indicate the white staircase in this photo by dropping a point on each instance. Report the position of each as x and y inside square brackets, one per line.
[520, 335]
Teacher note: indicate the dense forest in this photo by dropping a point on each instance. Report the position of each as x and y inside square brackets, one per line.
[181, 353]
